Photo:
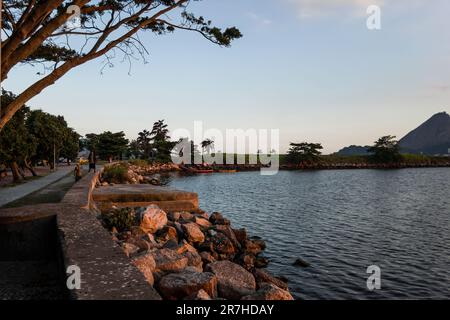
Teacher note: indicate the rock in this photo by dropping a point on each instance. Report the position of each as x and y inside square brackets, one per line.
[130, 249]
[193, 233]
[105, 184]
[261, 262]
[153, 219]
[252, 247]
[263, 276]
[217, 218]
[202, 214]
[259, 242]
[194, 260]
[169, 260]
[167, 233]
[301, 263]
[143, 245]
[200, 295]
[181, 285]
[246, 260]
[137, 232]
[234, 282]
[186, 216]
[226, 230]
[241, 235]
[269, 292]
[207, 257]
[180, 231]
[202, 222]
[185, 247]
[174, 216]
[222, 244]
[147, 265]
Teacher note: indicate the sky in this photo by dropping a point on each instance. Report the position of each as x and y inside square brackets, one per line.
[310, 68]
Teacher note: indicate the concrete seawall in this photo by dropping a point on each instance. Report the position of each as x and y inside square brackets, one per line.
[70, 234]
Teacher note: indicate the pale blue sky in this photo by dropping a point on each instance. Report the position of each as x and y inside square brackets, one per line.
[309, 68]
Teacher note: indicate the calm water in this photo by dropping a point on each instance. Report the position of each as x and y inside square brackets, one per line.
[342, 222]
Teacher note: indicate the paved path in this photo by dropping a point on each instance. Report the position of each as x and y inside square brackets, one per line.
[10, 194]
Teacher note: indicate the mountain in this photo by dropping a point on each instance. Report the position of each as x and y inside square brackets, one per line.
[431, 137]
[353, 151]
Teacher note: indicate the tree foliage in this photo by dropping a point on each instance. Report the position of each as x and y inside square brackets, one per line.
[386, 150]
[304, 152]
[33, 136]
[41, 32]
[108, 145]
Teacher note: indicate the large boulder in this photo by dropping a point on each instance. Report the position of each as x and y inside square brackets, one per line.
[226, 230]
[202, 222]
[253, 247]
[222, 244]
[169, 260]
[166, 233]
[194, 260]
[234, 282]
[270, 292]
[193, 233]
[262, 276]
[186, 216]
[241, 235]
[217, 218]
[147, 265]
[153, 219]
[184, 284]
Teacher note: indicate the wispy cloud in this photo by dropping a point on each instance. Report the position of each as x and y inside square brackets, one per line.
[322, 8]
[258, 19]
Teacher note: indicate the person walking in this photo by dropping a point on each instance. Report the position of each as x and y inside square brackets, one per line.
[77, 172]
[92, 161]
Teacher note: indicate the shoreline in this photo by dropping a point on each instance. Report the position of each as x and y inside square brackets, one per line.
[191, 255]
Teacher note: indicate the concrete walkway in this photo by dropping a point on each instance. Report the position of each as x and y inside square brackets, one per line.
[10, 194]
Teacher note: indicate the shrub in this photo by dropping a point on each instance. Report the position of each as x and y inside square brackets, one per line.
[117, 173]
[139, 162]
[122, 219]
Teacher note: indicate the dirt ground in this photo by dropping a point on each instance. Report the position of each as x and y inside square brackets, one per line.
[8, 180]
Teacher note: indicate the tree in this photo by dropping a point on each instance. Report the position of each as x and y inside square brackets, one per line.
[386, 150]
[50, 132]
[144, 142]
[38, 32]
[134, 150]
[304, 152]
[17, 146]
[90, 141]
[111, 145]
[71, 145]
[207, 146]
[161, 141]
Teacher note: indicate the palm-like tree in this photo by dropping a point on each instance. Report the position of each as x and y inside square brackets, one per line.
[207, 145]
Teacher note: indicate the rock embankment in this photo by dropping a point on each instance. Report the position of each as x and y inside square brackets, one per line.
[194, 256]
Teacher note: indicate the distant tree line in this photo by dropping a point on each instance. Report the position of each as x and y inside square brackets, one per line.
[152, 145]
[385, 150]
[32, 137]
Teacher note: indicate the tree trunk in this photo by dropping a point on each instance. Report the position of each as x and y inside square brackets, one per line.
[30, 168]
[15, 171]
